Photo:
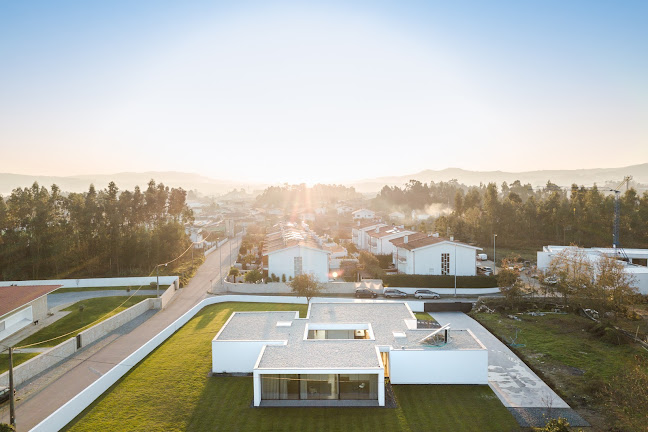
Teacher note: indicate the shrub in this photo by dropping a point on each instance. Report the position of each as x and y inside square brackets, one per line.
[283, 278]
[434, 281]
[253, 276]
[4, 427]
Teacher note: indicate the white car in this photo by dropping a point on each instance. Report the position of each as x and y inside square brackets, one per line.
[426, 293]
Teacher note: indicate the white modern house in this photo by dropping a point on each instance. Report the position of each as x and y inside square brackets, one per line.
[636, 264]
[359, 235]
[341, 353]
[291, 251]
[429, 254]
[344, 209]
[363, 214]
[380, 238]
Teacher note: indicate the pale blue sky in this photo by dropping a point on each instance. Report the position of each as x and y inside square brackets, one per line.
[321, 91]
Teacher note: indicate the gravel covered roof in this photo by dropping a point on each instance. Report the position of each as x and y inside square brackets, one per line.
[384, 319]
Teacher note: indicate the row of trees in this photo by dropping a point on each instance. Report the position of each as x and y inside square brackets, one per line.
[45, 233]
[288, 197]
[522, 216]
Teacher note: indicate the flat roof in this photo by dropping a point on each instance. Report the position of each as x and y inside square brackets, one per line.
[14, 297]
[386, 320]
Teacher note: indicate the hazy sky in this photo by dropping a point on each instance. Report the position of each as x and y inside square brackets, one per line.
[321, 91]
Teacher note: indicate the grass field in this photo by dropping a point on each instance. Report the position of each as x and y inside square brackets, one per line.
[574, 361]
[110, 288]
[93, 309]
[170, 390]
[424, 316]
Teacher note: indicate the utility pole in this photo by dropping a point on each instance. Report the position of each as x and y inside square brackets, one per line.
[12, 408]
[494, 261]
[157, 276]
[455, 267]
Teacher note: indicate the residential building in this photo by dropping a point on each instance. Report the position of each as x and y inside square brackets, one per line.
[292, 251]
[21, 306]
[380, 238]
[429, 254]
[341, 353]
[397, 216]
[634, 261]
[363, 214]
[344, 209]
[359, 231]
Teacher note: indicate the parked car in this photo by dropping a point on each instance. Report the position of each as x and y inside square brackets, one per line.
[484, 270]
[393, 293]
[425, 293]
[482, 257]
[4, 394]
[367, 293]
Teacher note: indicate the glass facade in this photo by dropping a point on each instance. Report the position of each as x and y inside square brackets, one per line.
[319, 387]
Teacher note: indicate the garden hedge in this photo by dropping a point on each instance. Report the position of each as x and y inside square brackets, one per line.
[433, 281]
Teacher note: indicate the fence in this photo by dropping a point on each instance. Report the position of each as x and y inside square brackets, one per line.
[97, 282]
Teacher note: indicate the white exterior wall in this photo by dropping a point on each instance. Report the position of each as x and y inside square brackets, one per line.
[314, 261]
[427, 260]
[438, 367]
[237, 356]
[16, 321]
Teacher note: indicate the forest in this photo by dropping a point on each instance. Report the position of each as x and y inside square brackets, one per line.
[288, 197]
[523, 216]
[45, 233]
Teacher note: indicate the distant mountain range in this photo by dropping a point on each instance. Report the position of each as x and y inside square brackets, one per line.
[566, 178]
[210, 186]
[124, 180]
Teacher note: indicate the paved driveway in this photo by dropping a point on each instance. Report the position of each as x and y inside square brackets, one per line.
[528, 398]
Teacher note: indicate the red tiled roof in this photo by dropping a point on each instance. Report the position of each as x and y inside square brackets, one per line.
[13, 297]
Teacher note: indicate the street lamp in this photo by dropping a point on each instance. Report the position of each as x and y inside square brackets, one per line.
[157, 276]
[494, 260]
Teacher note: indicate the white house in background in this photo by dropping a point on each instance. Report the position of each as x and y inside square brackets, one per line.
[380, 238]
[22, 305]
[343, 209]
[636, 265]
[397, 216]
[320, 210]
[359, 231]
[292, 251]
[336, 250]
[433, 255]
[363, 214]
[341, 353]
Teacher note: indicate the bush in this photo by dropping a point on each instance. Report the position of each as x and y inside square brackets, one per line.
[283, 278]
[385, 261]
[4, 427]
[434, 281]
[253, 276]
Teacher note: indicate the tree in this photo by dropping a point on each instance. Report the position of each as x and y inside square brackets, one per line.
[305, 285]
[253, 276]
[233, 271]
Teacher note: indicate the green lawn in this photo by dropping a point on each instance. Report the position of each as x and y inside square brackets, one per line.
[577, 363]
[110, 288]
[170, 390]
[424, 316]
[93, 309]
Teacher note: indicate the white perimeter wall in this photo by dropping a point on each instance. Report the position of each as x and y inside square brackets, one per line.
[438, 367]
[237, 356]
[314, 262]
[97, 282]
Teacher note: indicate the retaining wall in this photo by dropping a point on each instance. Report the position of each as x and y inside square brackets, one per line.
[97, 282]
[40, 363]
[34, 366]
[160, 303]
[62, 416]
[215, 247]
[98, 331]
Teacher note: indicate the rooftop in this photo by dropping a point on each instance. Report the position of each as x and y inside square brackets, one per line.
[388, 323]
[419, 240]
[13, 297]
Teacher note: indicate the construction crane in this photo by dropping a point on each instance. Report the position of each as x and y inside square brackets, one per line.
[617, 212]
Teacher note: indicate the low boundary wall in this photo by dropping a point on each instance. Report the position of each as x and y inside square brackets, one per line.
[36, 365]
[98, 282]
[65, 414]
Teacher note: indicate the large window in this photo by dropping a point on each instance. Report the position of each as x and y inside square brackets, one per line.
[445, 263]
[319, 387]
